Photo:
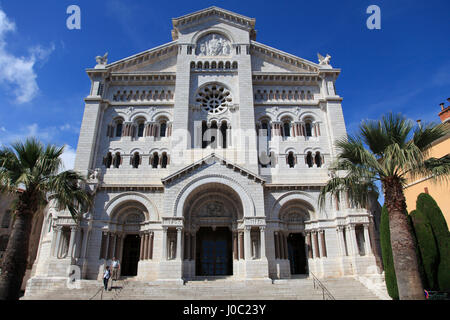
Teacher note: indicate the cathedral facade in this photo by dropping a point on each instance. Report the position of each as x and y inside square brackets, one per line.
[206, 156]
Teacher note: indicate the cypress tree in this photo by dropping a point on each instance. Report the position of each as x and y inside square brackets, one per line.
[428, 253]
[386, 253]
[429, 207]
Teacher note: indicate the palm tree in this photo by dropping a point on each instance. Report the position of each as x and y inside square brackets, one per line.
[35, 169]
[390, 151]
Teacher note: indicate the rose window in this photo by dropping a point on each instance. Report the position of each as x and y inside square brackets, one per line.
[214, 99]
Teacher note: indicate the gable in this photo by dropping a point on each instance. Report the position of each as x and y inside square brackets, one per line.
[166, 63]
[266, 64]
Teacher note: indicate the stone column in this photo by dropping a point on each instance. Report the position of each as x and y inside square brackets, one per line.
[340, 242]
[150, 254]
[164, 244]
[308, 244]
[114, 244]
[141, 254]
[277, 245]
[57, 241]
[84, 243]
[178, 249]
[235, 246]
[351, 240]
[118, 245]
[286, 253]
[367, 240]
[282, 244]
[323, 251]
[247, 244]
[263, 242]
[73, 232]
[314, 244]
[146, 246]
[241, 245]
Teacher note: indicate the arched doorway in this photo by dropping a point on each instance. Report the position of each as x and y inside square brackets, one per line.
[293, 215]
[212, 213]
[125, 239]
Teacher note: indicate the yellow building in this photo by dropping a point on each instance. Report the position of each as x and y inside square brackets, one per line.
[440, 191]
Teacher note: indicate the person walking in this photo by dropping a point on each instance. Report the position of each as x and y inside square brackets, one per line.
[115, 268]
[106, 276]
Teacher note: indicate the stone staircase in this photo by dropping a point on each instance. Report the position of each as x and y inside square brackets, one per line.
[347, 288]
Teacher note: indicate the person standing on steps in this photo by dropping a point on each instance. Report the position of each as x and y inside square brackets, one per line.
[115, 264]
[106, 276]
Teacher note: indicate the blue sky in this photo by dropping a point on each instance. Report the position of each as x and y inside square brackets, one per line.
[404, 67]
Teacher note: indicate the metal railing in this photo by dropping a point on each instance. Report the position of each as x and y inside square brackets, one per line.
[326, 295]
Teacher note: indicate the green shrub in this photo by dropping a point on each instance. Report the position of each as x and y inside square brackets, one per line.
[429, 207]
[386, 253]
[427, 253]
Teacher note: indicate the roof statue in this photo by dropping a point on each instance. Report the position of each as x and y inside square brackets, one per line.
[102, 60]
[324, 61]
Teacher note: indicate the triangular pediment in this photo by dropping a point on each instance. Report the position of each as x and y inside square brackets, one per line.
[268, 59]
[216, 13]
[209, 160]
[159, 59]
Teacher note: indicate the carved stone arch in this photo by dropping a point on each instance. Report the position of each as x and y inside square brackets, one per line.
[266, 115]
[290, 149]
[153, 150]
[151, 213]
[286, 114]
[309, 115]
[295, 196]
[139, 114]
[138, 150]
[161, 114]
[115, 150]
[247, 201]
[222, 31]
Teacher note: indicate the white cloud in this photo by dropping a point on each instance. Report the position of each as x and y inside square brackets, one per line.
[68, 157]
[18, 72]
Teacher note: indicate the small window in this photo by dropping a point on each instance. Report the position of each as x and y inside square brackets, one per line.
[164, 160]
[291, 160]
[155, 160]
[119, 126]
[117, 160]
[108, 160]
[163, 129]
[318, 159]
[136, 160]
[287, 129]
[309, 159]
[141, 129]
[308, 129]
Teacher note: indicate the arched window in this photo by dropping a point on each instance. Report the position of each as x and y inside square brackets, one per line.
[162, 128]
[164, 160]
[119, 126]
[318, 159]
[155, 160]
[309, 159]
[214, 135]
[204, 138]
[117, 160]
[108, 160]
[266, 129]
[140, 131]
[308, 129]
[223, 130]
[136, 160]
[287, 128]
[291, 159]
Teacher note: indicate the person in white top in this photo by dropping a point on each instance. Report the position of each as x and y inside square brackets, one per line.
[115, 264]
[106, 276]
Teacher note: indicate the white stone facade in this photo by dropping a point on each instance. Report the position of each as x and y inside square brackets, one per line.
[155, 180]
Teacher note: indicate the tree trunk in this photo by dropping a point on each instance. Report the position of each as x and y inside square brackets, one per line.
[403, 249]
[16, 255]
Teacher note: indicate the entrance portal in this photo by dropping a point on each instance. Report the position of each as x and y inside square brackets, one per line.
[214, 254]
[130, 256]
[297, 255]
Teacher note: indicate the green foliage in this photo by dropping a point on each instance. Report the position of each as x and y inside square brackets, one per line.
[427, 251]
[427, 205]
[386, 252]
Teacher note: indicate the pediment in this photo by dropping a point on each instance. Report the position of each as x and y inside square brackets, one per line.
[199, 17]
[211, 160]
[268, 59]
[159, 59]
